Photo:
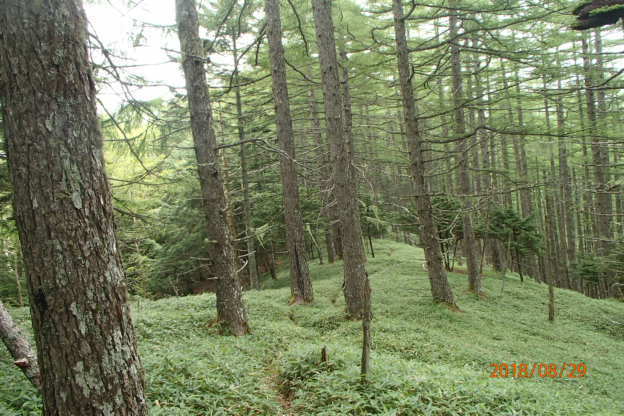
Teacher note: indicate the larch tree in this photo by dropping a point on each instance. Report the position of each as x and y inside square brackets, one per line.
[250, 234]
[603, 214]
[356, 284]
[231, 313]
[301, 284]
[323, 155]
[465, 184]
[440, 287]
[86, 344]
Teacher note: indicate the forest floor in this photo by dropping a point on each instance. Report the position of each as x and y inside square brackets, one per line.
[427, 359]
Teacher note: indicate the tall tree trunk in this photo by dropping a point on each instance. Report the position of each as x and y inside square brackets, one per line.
[250, 233]
[508, 202]
[498, 248]
[588, 225]
[250, 239]
[85, 340]
[526, 193]
[564, 173]
[231, 313]
[599, 159]
[558, 215]
[607, 200]
[356, 284]
[558, 234]
[19, 347]
[301, 285]
[526, 199]
[323, 152]
[470, 242]
[578, 211]
[566, 219]
[551, 249]
[487, 160]
[440, 287]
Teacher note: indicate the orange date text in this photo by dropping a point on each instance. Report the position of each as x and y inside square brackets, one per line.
[542, 370]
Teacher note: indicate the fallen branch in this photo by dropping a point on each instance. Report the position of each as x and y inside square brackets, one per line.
[17, 344]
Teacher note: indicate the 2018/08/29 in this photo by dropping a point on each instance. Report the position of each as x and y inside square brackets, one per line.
[543, 370]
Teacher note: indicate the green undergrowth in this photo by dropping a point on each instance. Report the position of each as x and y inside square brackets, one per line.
[427, 359]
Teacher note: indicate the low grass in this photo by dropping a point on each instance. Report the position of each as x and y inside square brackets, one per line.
[427, 359]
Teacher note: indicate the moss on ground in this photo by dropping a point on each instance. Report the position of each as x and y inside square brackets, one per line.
[427, 360]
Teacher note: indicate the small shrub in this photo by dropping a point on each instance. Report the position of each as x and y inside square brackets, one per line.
[300, 368]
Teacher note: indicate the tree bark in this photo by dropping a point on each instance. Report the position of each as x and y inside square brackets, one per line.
[250, 233]
[470, 242]
[85, 340]
[19, 347]
[440, 287]
[356, 284]
[557, 215]
[301, 285]
[599, 159]
[231, 313]
[588, 223]
[551, 249]
[323, 152]
[567, 231]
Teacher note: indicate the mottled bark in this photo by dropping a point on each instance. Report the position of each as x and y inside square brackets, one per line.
[440, 287]
[19, 347]
[231, 313]
[356, 284]
[301, 285]
[469, 240]
[85, 340]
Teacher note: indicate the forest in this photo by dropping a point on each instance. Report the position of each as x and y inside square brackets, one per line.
[311, 207]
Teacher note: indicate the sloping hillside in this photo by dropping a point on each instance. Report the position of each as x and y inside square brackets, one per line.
[426, 360]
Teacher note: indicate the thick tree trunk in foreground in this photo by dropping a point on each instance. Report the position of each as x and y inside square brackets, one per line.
[85, 339]
[440, 288]
[19, 347]
[356, 285]
[301, 285]
[231, 313]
